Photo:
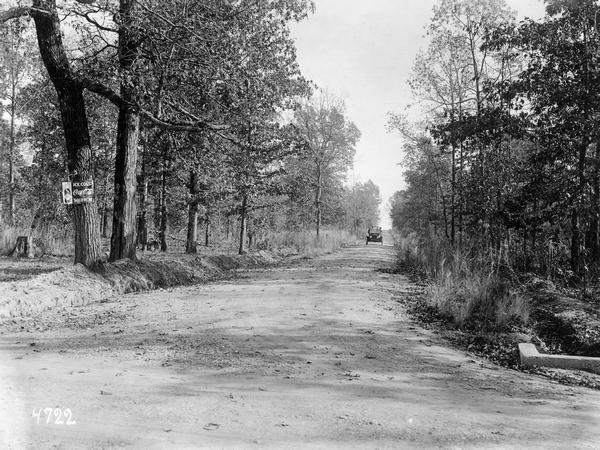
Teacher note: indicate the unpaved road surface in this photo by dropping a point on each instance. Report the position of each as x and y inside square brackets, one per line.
[315, 354]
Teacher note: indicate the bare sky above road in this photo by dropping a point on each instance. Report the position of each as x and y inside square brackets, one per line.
[363, 51]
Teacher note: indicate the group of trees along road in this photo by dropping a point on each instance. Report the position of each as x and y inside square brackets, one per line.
[179, 103]
[508, 153]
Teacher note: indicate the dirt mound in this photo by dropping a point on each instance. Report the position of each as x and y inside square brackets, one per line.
[75, 285]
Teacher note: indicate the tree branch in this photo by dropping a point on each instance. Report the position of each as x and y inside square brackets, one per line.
[86, 16]
[20, 11]
[196, 126]
[13, 13]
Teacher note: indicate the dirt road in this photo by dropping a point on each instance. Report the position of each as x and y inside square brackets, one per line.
[309, 355]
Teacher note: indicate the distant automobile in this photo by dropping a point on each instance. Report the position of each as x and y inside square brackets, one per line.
[374, 235]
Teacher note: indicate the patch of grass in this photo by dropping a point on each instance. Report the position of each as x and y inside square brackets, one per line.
[477, 302]
[304, 243]
[47, 241]
[470, 297]
[500, 348]
[474, 300]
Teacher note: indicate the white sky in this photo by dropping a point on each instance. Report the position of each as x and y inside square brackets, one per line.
[363, 51]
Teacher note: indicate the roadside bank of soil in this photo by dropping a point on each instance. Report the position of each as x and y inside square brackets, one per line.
[559, 324]
[76, 286]
[564, 323]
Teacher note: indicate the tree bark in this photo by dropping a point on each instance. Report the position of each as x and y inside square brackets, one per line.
[207, 227]
[123, 240]
[243, 213]
[318, 196]
[191, 245]
[75, 126]
[163, 218]
[192, 228]
[594, 233]
[104, 220]
[11, 158]
[575, 242]
[142, 232]
[453, 199]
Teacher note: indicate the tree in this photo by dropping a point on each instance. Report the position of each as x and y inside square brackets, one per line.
[136, 38]
[452, 78]
[361, 206]
[330, 140]
[256, 169]
[560, 88]
[423, 204]
[16, 67]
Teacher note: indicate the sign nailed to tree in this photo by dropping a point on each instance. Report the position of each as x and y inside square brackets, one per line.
[77, 192]
[67, 193]
[83, 191]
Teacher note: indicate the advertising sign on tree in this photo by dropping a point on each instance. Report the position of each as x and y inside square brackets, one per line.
[83, 191]
[67, 193]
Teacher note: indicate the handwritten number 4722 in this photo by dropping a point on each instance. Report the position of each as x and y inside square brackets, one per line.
[57, 416]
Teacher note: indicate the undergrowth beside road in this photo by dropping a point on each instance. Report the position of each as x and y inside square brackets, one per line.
[54, 285]
[53, 241]
[467, 288]
[478, 305]
[47, 241]
[499, 348]
[305, 243]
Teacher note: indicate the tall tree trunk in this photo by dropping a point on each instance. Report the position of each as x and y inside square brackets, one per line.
[163, 220]
[11, 157]
[106, 197]
[143, 217]
[243, 213]
[104, 219]
[123, 240]
[594, 234]
[453, 199]
[318, 196]
[157, 209]
[206, 227]
[75, 126]
[460, 196]
[192, 228]
[142, 231]
[575, 242]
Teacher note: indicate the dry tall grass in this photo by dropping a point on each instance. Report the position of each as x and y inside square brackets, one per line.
[303, 243]
[466, 287]
[48, 241]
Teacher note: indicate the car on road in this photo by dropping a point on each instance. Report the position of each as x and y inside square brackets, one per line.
[374, 235]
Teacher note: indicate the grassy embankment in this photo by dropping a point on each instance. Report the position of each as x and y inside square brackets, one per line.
[482, 304]
[43, 283]
[468, 288]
